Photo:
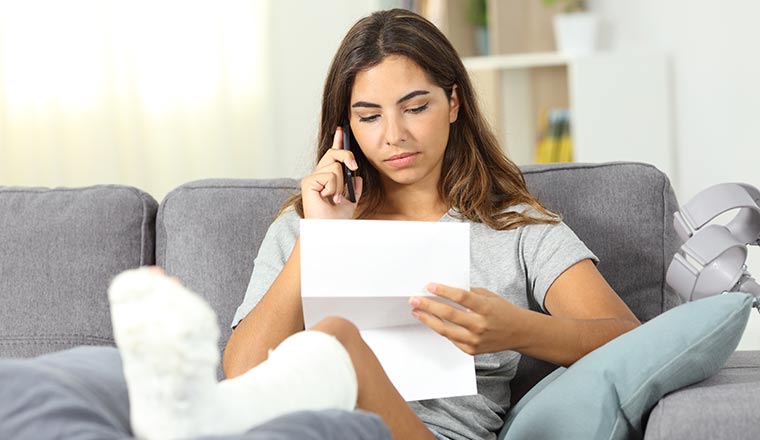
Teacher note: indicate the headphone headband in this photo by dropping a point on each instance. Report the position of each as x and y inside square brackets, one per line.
[716, 200]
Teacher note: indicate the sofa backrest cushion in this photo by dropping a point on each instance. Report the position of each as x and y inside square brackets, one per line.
[623, 211]
[208, 233]
[60, 249]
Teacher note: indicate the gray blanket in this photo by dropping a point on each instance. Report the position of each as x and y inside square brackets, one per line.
[80, 394]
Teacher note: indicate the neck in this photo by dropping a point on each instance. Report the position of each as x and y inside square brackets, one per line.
[404, 202]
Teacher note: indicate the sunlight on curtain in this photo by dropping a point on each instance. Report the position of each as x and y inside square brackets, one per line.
[147, 93]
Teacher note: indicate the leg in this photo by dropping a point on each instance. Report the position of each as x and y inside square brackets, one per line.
[376, 392]
[309, 370]
[168, 336]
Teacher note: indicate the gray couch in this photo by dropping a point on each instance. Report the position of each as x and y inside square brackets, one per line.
[61, 247]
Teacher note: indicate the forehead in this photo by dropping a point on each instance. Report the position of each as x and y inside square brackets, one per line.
[394, 77]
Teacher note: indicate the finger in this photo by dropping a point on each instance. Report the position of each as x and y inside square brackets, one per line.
[482, 292]
[337, 171]
[321, 183]
[452, 332]
[465, 298]
[445, 312]
[338, 156]
[331, 186]
[337, 143]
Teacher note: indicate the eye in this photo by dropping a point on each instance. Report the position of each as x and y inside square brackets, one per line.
[419, 109]
[368, 118]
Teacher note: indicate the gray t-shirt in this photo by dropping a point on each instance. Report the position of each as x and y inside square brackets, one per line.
[518, 264]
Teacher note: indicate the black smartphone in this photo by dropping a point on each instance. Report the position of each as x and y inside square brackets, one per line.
[347, 173]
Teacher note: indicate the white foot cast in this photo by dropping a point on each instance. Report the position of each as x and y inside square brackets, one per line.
[167, 336]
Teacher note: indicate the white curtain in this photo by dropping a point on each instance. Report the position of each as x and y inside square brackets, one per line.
[151, 93]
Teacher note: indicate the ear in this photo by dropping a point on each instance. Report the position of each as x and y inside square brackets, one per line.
[453, 105]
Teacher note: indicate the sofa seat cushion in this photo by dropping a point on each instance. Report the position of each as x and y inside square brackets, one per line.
[60, 249]
[721, 407]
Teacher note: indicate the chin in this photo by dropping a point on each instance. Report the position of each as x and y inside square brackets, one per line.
[406, 177]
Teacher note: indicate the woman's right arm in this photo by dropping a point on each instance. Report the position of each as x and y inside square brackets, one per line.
[278, 315]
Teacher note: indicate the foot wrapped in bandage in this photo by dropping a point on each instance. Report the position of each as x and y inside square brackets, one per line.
[167, 337]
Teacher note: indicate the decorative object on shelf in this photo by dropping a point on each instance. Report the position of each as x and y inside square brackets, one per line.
[478, 17]
[555, 143]
[712, 259]
[575, 28]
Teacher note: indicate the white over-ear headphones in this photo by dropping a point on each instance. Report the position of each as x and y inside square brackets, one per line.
[712, 259]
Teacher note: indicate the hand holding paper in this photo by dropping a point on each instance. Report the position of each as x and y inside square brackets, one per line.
[484, 325]
[370, 282]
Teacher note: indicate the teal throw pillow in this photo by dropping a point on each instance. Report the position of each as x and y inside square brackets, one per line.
[607, 393]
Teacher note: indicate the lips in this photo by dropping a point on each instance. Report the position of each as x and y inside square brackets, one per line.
[401, 160]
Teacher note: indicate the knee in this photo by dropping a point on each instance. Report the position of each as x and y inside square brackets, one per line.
[342, 329]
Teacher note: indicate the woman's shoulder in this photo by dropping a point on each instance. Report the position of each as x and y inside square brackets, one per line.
[286, 223]
[522, 209]
[287, 215]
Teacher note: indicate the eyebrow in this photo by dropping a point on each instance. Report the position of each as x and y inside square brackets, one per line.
[406, 97]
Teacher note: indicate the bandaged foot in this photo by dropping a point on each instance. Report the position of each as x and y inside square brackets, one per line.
[167, 337]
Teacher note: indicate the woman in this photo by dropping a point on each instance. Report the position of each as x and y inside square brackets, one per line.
[425, 153]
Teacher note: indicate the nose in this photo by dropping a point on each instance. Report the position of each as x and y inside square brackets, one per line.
[395, 130]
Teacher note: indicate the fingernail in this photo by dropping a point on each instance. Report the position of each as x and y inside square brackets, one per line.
[416, 313]
[354, 165]
[430, 288]
[414, 301]
[337, 198]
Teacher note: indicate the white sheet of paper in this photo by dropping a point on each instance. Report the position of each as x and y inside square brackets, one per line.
[366, 270]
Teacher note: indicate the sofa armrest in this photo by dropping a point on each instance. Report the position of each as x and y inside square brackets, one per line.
[722, 407]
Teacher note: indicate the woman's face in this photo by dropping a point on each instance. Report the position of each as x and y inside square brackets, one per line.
[401, 121]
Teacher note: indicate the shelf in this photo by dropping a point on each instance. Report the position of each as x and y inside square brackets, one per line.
[516, 61]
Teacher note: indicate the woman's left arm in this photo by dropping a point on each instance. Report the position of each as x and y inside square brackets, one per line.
[585, 314]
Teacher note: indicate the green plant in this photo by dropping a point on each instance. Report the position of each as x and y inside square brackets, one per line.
[477, 13]
[568, 5]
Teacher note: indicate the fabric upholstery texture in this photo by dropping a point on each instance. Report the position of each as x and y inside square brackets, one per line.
[80, 394]
[60, 249]
[624, 213]
[608, 393]
[722, 407]
[208, 233]
[74, 394]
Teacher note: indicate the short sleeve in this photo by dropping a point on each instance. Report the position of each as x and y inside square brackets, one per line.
[274, 251]
[548, 251]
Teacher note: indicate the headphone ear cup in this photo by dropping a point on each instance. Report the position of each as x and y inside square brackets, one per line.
[721, 274]
[718, 264]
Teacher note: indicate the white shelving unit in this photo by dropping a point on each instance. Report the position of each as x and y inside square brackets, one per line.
[517, 61]
[620, 104]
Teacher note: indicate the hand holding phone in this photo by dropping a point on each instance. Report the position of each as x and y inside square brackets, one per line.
[348, 175]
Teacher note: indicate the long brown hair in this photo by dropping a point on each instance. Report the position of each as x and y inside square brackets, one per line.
[477, 179]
